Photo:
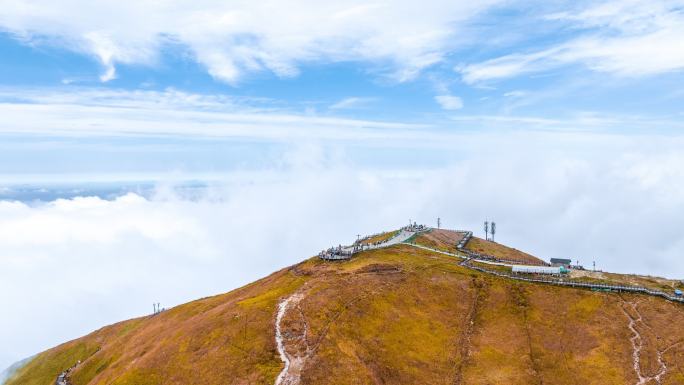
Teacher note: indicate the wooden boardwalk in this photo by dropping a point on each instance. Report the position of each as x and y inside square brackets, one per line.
[556, 282]
[404, 237]
[346, 252]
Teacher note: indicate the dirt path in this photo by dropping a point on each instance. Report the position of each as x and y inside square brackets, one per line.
[637, 341]
[294, 361]
[520, 297]
[63, 378]
[479, 288]
[659, 352]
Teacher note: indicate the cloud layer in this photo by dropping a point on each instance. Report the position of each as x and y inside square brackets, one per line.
[231, 38]
[397, 37]
[70, 266]
[625, 38]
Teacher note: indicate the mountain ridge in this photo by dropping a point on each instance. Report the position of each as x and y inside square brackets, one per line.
[401, 314]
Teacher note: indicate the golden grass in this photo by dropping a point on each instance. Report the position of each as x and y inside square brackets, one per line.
[44, 369]
[399, 315]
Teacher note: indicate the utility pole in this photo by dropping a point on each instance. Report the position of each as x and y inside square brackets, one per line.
[493, 230]
[486, 228]
[439, 222]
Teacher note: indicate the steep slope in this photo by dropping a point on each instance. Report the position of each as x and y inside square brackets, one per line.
[9, 372]
[485, 247]
[400, 315]
[446, 240]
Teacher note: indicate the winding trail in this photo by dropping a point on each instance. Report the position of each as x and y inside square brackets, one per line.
[346, 252]
[63, 378]
[637, 344]
[468, 330]
[549, 281]
[290, 375]
[659, 352]
[637, 347]
[461, 255]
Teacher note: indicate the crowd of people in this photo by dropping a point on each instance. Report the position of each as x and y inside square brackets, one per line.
[338, 252]
[415, 228]
[63, 378]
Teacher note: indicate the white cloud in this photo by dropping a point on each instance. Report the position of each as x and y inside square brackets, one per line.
[352, 102]
[449, 102]
[516, 94]
[556, 195]
[87, 112]
[231, 38]
[624, 38]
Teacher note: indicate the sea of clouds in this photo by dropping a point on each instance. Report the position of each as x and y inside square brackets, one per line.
[69, 266]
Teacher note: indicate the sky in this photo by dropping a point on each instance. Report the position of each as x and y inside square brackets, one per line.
[162, 151]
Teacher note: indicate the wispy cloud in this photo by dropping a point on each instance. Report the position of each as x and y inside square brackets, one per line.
[231, 38]
[633, 38]
[352, 102]
[449, 102]
[578, 121]
[79, 112]
[84, 112]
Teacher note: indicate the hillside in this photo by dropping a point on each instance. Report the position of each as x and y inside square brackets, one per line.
[395, 315]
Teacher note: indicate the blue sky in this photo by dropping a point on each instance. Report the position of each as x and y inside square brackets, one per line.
[598, 66]
[202, 140]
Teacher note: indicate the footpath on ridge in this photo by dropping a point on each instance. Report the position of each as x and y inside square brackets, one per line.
[405, 235]
[558, 282]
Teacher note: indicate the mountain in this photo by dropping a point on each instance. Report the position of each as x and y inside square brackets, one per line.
[409, 313]
[9, 372]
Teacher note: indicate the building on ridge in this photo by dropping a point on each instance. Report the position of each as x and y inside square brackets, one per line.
[561, 262]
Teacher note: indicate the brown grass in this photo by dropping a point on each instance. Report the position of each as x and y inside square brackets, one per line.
[497, 250]
[399, 315]
[440, 239]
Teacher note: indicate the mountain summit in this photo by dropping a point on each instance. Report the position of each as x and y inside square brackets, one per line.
[412, 306]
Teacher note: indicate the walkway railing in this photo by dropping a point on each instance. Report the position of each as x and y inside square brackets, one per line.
[346, 252]
[464, 241]
[485, 257]
[557, 282]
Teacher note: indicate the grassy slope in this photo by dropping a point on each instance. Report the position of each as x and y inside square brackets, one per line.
[382, 237]
[439, 239]
[396, 316]
[498, 250]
